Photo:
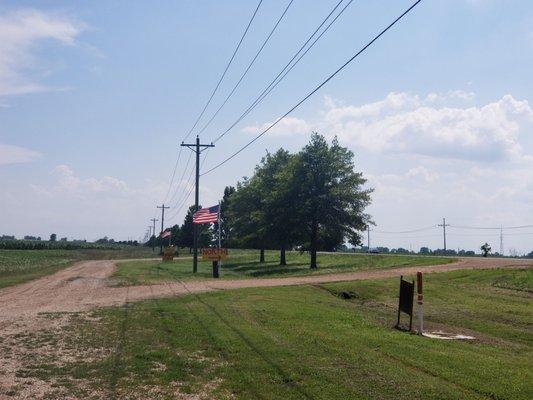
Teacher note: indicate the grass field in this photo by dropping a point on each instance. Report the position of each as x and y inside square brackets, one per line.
[304, 342]
[244, 264]
[17, 266]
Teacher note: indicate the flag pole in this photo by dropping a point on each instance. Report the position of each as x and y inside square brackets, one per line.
[219, 231]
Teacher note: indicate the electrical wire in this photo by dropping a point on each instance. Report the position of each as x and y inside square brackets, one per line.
[491, 227]
[173, 174]
[409, 231]
[262, 95]
[315, 89]
[181, 179]
[247, 68]
[225, 71]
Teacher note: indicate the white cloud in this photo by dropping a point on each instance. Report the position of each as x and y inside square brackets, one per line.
[405, 123]
[20, 32]
[14, 154]
[439, 125]
[68, 182]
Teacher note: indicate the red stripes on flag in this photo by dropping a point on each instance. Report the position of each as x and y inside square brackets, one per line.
[206, 215]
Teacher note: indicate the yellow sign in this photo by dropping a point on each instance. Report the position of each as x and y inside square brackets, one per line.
[214, 254]
[168, 254]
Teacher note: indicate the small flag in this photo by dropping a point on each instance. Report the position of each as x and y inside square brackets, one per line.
[206, 215]
[165, 234]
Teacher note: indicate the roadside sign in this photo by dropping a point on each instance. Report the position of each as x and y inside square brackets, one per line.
[405, 304]
[168, 253]
[214, 254]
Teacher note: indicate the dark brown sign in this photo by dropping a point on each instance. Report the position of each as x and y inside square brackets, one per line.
[407, 291]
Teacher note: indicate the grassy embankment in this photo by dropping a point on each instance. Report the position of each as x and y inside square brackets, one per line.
[305, 342]
[245, 264]
[18, 266]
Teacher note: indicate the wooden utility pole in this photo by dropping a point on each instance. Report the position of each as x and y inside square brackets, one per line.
[162, 207]
[154, 220]
[197, 148]
[444, 225]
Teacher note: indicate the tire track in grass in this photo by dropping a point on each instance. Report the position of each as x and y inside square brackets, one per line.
[277, 368]
[118, 362]
[413, 367]
[212, 338]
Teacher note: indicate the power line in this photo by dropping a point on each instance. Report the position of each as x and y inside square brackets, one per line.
[212, 95]
[491, 227]
[181, 179]
[277, 78]
[317, 88]
[247, 68]
[409, 231]
[173, 174]
[225, 70]
[183, 201]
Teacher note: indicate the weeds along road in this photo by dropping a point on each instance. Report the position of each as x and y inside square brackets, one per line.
[86, 285]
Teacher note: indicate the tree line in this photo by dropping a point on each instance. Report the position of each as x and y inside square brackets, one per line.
[312, 200]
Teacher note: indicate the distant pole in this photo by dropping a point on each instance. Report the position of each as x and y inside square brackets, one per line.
[162, 207]
[368, 237]
[197, 148]
[420, 299]
[444, 225]
[154, 220]
[501, 240]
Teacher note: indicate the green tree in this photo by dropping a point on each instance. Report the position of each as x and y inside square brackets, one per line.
[486, 249]
[329, 194]
[274, 176]
[248, 217]
[53, 237]
[225, 220]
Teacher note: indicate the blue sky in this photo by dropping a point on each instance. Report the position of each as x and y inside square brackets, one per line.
[95, 98]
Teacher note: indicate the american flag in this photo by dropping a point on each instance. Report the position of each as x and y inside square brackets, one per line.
[206, 215]
[165, 234]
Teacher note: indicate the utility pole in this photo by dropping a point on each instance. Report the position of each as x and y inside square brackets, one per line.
[368, 237]
[196, 148]
[162, 207]
[444, 225]
[154, 220]
[501, 240]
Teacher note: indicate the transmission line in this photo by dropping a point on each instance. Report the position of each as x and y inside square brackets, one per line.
[213, 92]
[316, 89]
[247, 68]
[181, 179]
[225, 70]
[275, 81]
[409, 231]
[491, 227]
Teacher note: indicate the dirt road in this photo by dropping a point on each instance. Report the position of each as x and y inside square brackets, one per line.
[84, 286]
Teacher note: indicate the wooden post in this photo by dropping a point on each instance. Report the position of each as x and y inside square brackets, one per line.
[420, 301]
[399, 301]
[215, 269]
[411, 315]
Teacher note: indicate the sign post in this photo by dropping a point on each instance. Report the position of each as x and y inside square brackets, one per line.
[405, 303]
[420, 301]
[216, 255]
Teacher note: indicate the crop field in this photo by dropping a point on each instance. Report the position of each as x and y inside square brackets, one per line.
[17, 266]
[245, 264]
[304, 342]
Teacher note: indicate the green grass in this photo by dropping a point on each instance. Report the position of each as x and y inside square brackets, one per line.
[306, 342]
[245, 264]
[18, 266]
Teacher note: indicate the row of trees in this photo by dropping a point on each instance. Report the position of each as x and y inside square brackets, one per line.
[312, 200]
